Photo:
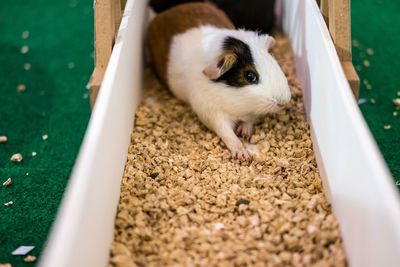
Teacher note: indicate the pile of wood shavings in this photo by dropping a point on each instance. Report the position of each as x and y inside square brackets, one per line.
[185, 201]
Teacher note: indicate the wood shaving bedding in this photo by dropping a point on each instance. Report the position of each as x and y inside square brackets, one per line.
[185, 202]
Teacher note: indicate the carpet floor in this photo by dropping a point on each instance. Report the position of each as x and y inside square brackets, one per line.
[375, 33]
[45, 47]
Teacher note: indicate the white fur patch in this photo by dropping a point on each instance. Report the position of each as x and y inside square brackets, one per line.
[216, 103]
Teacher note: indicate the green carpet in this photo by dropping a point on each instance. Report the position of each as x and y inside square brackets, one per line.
[375, 25]
[55, 103]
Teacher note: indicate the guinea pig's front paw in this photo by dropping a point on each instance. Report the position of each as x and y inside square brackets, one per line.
[244, 129]
[242, 155]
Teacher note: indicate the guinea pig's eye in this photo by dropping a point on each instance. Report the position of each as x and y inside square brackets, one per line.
[251, 76]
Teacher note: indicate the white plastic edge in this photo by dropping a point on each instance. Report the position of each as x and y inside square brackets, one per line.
[356, 178]
[83, 230]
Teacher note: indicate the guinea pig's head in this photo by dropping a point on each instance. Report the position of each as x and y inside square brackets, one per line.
[248, 78]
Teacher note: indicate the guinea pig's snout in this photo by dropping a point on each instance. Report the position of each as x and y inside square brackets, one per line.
[284, 98]
[281, 105]
[282, 102]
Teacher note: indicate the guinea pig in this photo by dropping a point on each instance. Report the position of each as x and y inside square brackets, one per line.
[257, 15]
[226, 75]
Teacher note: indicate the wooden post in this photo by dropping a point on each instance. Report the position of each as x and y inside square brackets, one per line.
[352, 77]
[337, 16]
[117, 16]
[95, 83]
[123, 4]
[339, 27]
[325, 10]
[104, 28]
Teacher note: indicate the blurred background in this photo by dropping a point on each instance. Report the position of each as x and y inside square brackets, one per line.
[46, 59]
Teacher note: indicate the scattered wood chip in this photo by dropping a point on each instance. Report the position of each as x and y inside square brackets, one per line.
[27, 66]
[394, 113]
[33, 154]
[25, 34]
[396, 101]
[16, 157]
[3, 139]
[24, 49]
[7, 182]
[44, 137]
[370, 51]
[71, 65]
[366, 63]
[372, 100]
[5, 265]
[387, 127]
[21, 88]
[9, 203]
[355, 43]
[29, 258]
[398, 93]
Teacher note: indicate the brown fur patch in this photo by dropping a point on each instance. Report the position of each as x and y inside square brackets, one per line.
[177, 20]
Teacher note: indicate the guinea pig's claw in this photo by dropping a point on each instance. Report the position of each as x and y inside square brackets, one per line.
[244, 130]
[242, 155]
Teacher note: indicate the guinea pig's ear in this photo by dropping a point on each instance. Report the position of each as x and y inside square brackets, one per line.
[270, 42]
[221, 65]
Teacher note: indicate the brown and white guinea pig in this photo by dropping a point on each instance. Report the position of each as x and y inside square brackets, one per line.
[256, 15]
[226, 75]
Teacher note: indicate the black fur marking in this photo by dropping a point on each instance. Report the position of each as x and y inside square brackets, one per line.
[235, 76]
